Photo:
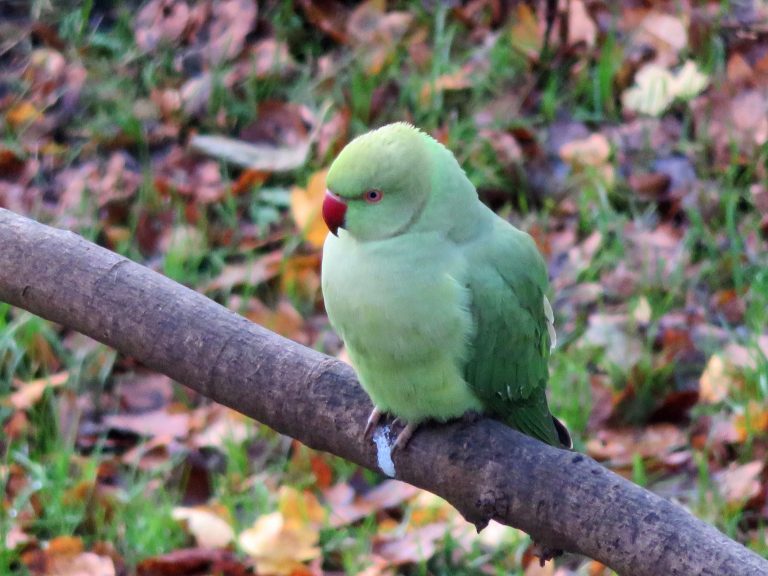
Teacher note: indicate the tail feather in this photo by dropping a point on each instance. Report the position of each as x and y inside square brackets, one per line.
[562, 434]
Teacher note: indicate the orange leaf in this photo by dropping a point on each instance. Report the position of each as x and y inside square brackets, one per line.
[22, 113]
[29, 393]
[306, 205]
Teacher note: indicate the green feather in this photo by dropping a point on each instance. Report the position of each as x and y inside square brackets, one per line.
[440, 302]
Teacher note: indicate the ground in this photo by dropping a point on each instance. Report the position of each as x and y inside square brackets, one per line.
[193, 137]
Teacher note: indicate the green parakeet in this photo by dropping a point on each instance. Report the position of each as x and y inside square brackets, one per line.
[441, 303]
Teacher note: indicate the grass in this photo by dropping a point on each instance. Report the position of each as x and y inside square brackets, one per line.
[61, 480]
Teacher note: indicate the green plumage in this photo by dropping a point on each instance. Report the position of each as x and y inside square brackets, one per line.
[440, 302]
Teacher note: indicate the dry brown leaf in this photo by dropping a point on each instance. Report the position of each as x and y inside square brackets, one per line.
[156, 423]
[346, 508]
[284, 319]
[250, 273]
[750, 421]
[616, 336]
[415, 546]
[218, 425]
[458, 80]
[301, 275]
[657, 442]
[29, 393]
[525, 34]
[277, 547]
[281, 542]
[194, 561]
[306, 209]
[665, 33]
[21, 114]
[740, 483]
[505, 146]
[716, 381]
[233, 20]
[738, 70]
[301, 508]
[581, 27]
[161, 21]
[642, 312]
[591, 153]
[210, 525]
[65, 556]
[376, 33]
[330, 16]
[333, 134]
[16, 536]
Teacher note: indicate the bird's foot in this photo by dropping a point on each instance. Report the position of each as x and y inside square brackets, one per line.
[404, 436]
[373, 420]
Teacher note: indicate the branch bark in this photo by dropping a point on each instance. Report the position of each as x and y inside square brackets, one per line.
[485, 469]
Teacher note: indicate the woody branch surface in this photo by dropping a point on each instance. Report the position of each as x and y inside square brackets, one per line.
[486, 470]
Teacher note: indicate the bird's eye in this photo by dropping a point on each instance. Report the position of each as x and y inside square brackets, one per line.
[373, 196]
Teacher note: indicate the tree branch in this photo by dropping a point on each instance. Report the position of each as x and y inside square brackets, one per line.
[485, 469]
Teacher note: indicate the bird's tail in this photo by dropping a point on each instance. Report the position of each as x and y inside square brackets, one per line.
[562, 434]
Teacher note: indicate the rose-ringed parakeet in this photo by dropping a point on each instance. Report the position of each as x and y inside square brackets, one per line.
[441, 303]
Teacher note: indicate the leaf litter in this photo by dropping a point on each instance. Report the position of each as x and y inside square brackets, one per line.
[211, 168]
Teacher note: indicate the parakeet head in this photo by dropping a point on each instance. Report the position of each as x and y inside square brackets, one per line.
[380, 183]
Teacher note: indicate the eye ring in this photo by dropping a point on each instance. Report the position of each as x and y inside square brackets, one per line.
[373, 196]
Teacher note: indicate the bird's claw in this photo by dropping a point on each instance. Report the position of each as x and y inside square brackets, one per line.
[373, 420]
[404, 436]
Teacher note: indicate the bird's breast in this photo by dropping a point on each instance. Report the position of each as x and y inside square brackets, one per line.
[398, 300]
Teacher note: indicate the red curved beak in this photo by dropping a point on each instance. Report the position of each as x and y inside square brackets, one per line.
[334, 210]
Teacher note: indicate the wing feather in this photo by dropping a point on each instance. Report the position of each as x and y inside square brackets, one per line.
[508, 365]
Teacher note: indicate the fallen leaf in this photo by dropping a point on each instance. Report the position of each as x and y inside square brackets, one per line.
[581, 27]
[752, 420]
[329, 16]
[29, 393]
[233, 20]
[665, 33]
[220, 426]
[689, 81]
[65, 556]
[458, 80]
[738, 484]
[269, 57]
[300, 508]
[415, 546]
[642, 312]
[250, 273]
[149, 424]
[279, 547]
[188, 561]
[16, 537]
[283, 319]
[715, 382]
[656, 88]
[591, 151]
[209, 525]
[22, 114]
[614, 334]
[347, 508]
[656, 443]
[376, 33]
[161, 21]
[306, 209]
[253, 156]
[525, 34]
